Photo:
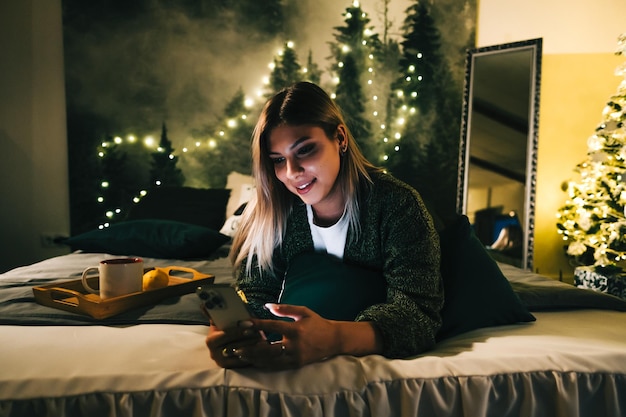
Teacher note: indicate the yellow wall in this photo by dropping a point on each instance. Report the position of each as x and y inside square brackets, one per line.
[574, 90]
[579, 39]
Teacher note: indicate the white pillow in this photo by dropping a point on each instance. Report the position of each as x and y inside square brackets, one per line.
[230, 226]
[241, 190]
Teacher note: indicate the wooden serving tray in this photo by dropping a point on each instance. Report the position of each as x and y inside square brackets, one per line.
[72, 296]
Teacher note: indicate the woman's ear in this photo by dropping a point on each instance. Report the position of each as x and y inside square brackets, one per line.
[342, 138]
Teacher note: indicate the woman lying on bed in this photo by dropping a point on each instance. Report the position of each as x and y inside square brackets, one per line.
[316, 194]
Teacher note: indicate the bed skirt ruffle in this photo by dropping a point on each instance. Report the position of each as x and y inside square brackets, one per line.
[546, 393]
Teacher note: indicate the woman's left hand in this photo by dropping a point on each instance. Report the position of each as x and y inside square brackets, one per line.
[309, 338]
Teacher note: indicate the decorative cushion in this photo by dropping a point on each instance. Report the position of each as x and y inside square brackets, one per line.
[476, 293]
[199, 206]
[151, 238]
[331, 288]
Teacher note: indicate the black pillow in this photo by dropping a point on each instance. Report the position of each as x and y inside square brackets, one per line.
[476, 293]
[203, 207]
[151, 238]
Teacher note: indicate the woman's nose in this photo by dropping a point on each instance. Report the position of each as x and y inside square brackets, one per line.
[294, 169]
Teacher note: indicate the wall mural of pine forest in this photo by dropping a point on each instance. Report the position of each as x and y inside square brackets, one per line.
[167, 92]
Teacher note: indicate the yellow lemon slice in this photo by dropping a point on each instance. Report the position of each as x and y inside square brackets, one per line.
[154, 279]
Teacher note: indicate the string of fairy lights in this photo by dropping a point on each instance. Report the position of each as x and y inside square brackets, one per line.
[386, 134]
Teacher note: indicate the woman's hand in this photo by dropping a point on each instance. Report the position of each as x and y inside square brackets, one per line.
[309, 338]
[223, 343]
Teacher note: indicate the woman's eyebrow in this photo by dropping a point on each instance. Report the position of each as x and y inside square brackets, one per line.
[293, 145]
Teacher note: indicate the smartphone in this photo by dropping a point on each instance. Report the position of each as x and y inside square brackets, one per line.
[223, 304]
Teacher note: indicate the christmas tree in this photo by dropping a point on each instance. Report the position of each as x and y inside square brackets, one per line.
[593, 219]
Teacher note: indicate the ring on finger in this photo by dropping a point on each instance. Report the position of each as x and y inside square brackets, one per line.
[228, 352]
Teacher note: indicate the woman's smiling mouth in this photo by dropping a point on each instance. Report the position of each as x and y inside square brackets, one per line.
[304, 188]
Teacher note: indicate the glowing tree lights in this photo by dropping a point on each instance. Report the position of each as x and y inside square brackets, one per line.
[593, 219]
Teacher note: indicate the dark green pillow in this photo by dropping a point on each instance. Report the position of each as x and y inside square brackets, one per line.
[151, 238]
[476, 293]
[201, 206]
[333, 289]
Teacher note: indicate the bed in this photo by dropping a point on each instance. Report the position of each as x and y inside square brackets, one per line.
[516, 344]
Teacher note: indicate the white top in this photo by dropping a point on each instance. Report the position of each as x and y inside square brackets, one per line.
[331, 239]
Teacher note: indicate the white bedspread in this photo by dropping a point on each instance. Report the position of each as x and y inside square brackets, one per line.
[567, 363]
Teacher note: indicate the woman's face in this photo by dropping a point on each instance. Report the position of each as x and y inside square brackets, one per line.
[308, 162]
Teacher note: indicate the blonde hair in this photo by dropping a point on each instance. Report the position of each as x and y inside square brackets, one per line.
[264, 220]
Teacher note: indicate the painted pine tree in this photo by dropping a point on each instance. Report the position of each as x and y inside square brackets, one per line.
[351, 53]
[164, 170]
[429, 102]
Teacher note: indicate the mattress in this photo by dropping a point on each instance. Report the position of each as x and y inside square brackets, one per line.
[569, 362]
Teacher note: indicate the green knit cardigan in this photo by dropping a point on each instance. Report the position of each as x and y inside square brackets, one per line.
[397, 238]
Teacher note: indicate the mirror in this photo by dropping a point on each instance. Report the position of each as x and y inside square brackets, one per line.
[498, 149]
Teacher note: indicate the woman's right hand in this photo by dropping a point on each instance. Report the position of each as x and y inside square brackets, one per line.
[222, 344]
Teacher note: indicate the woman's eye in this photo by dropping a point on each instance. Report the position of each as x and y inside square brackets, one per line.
[306, 149]
[277, 161]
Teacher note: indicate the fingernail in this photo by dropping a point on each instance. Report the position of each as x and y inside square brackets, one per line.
[245, 324]
[270, 306]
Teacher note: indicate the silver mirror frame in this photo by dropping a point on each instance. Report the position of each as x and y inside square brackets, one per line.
[534, 45]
